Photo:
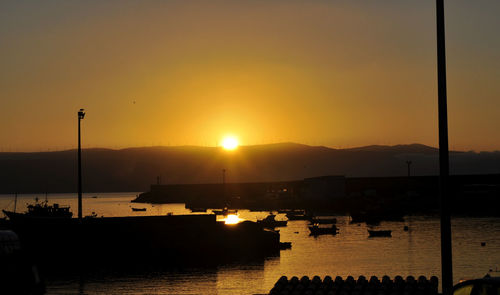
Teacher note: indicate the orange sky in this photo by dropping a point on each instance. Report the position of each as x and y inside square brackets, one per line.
[333, 73]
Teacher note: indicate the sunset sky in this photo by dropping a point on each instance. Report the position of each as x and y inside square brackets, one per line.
[334, 73]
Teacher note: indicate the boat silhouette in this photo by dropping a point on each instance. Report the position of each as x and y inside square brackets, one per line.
[316, 230]
[138, 209]
[271, 222]
[41, 209]
[379, 233]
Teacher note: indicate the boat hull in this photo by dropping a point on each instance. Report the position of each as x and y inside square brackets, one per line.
[139, 209]
[323, 220]
[380, 233]
[272, 224]
[315, 230]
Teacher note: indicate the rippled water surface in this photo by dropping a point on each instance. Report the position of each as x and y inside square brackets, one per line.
[351, 252]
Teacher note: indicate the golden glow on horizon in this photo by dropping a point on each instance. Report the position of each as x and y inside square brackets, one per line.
[268, 81]
[232, 219]
[230, 143]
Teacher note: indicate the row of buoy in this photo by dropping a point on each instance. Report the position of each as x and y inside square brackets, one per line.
[350, 286]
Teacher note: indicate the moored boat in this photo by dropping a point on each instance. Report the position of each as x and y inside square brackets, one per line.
[319, 220]
[198, 209]
[318, 230]
[285, 245]
[41, 209]
[298, 215]
[138, 209]
[380, 233]
[271, 222]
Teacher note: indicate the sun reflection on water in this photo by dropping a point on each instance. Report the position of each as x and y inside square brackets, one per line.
[232, 219]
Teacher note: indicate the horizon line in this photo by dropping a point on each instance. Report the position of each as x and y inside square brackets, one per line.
[50, 150]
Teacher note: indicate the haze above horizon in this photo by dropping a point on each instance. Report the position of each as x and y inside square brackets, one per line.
[416, 148]
[338, 74]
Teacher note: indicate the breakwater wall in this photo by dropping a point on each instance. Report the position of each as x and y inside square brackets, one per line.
[419, 193]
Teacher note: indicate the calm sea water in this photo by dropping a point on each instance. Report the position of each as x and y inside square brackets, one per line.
[415, 252]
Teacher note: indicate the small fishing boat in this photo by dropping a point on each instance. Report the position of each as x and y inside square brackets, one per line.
[316, 230]
[379, 233]
[42, 209]
[285, 245]
[298, 215]
[271, 222]
[198, 209]
[319, 220]
[138, 209]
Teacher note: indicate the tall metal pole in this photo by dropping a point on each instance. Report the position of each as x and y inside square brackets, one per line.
[15, 202]
[81, 115]
[446, 254]
[224, 185]
[409, 164]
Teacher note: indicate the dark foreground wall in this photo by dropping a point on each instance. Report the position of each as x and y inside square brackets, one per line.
[153, 240]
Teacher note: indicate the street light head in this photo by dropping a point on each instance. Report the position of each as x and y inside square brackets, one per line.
[81, 114]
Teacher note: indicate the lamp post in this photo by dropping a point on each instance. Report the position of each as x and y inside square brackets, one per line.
[81, 115]
[224, 185]
[446, 258]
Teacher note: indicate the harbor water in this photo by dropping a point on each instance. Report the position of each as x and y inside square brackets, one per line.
[476, 251]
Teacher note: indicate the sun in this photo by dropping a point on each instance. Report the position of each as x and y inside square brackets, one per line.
[230, 143]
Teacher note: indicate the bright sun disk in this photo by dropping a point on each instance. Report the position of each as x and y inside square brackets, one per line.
[229, 143]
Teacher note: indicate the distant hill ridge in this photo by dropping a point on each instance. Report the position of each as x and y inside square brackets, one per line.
[406, 148]
[135, 168]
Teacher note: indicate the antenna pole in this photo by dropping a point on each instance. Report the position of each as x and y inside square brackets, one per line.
[446, 254]
[15, 202]
[81, 115]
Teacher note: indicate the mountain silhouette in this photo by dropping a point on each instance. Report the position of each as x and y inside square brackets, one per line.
[134, 169]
